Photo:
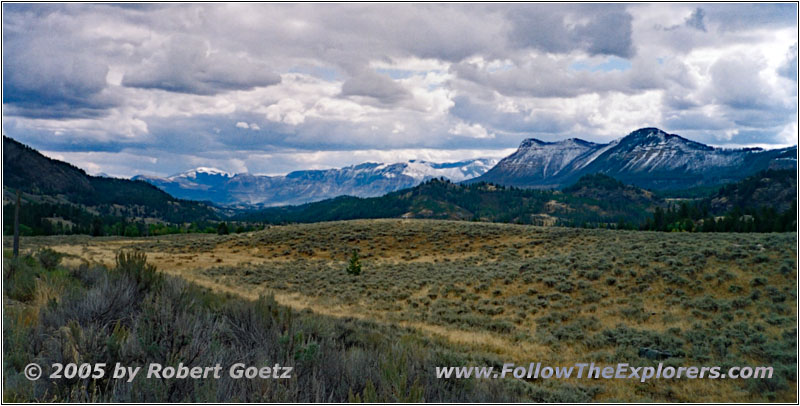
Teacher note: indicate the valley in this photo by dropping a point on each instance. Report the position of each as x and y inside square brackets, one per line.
[517, 293]
[557, 183]
[542, 258]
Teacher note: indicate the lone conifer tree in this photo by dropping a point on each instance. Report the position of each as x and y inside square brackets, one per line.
[354, 267]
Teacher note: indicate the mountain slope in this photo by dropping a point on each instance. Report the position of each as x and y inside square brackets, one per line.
[647, 157]
[776, 189]
[43, 179]
[540, 163]
[764, 202]
[364, 180]
[654, 159]
[23, 168]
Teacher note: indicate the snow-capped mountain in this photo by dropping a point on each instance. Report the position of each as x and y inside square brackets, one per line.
[363, 180]
[540, 162]
[204, 172]
[647, 157]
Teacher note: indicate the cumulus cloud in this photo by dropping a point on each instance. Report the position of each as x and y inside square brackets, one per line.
[42, 78]
[374, 86]
[696, 20]
[243, 125]
[471, 130]
[188, 64]
[789, 69]
[227, 85]
[596, 29]
[736, 82]
[289, 111]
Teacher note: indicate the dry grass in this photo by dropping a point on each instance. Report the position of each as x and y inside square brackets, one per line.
[523, 293]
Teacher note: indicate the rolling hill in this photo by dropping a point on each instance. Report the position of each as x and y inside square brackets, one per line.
[593, 199]
[73, 196]
[776, 189]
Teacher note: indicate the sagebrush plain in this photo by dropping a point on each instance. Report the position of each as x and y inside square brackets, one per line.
[497, 293]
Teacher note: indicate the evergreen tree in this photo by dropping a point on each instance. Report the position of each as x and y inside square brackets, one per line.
[222, 228]
[354, 267]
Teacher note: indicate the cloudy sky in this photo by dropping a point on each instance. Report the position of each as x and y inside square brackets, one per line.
[271, 88]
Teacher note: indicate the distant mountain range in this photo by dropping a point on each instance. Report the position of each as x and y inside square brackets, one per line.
[594, 200]
[648, 158]
[58, 197]
[364, 180]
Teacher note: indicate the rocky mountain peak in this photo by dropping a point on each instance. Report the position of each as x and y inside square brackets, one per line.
[648, 157]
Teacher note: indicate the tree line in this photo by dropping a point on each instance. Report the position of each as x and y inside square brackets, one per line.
[67, 219]
[697, 218]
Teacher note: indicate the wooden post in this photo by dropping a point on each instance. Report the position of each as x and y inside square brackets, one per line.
[16, 227]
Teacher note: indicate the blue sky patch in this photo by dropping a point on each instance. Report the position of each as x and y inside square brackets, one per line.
[612, 63]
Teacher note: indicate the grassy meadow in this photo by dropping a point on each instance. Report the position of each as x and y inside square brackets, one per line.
[431, 293]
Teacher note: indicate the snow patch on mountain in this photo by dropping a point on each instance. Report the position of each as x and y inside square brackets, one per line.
[456, 172]
[647, 157]
[192, 173]
[363, 180]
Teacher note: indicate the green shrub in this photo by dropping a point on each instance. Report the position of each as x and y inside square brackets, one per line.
[48, 258]
[20, 282]
[133, 264]
[565, 287]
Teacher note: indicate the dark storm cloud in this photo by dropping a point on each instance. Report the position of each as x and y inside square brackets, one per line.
[546, 27]
[763, 119]
[66, 142]
[608, 34]
[745, 16]
[696, 120]
[376, 86]
[789, 70]
[44, 78]
[759, 136]
[186, 64]
[696, 20]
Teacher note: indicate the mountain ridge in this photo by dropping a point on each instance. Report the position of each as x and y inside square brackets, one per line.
[61, 198]
[596, 199]
[368, 179]
[647, 157]
[40, 179]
